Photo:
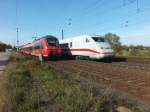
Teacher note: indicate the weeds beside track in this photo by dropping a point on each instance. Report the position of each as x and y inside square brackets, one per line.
[42, 88]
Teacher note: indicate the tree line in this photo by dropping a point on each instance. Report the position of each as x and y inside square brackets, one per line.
[4, 46]
[131, 50]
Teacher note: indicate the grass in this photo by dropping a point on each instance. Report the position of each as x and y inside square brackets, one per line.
[145, 53]
[38, 88]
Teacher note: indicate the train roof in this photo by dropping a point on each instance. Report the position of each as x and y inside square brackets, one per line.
[47, 36]
[33, 42]
[26, 45]
[83, 36]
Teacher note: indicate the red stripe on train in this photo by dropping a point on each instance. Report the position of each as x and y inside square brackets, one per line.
[90, 50]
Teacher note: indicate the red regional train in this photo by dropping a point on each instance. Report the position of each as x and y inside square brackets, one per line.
[47, 46]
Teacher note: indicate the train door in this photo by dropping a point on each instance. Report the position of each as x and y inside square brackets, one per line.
[37, 49]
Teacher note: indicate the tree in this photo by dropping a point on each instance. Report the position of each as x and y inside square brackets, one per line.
[133, 51]
[2, 46]
[9, 46]
[140, 47]
[114, 40]
[125, 47]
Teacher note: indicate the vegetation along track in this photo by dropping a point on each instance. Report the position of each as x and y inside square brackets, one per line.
[129, 79]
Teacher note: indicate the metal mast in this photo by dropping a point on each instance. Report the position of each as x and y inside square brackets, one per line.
[17, 29]
[17, 39]
[62, 34]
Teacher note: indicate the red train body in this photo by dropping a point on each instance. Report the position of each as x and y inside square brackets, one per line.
[47, 46]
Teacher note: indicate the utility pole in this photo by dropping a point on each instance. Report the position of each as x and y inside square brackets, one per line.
[17, 39]
[69, 22]
[62, 34]
[138, 9]
[17, 30]
[14, 43]
[35, 37]
[124, 2]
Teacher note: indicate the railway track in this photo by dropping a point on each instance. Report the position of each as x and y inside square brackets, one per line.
[138, 60]
[129, 77]
[139, 66]
[136, 63]
[130, 65]
[133, 63]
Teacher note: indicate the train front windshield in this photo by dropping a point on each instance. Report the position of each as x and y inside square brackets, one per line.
[98, 39]
[52, 42]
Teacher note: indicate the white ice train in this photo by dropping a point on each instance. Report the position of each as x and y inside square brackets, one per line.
[91, 46]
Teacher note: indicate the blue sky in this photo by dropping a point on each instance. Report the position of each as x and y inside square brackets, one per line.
[88, 17]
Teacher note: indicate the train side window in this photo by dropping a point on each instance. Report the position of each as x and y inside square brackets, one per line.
[34, 47]
[70, 44]
[87, 40]
[41, 45]
[65, 45]
[37, 46]
[30, 48]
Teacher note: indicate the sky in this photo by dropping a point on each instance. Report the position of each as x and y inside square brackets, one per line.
[126, 18]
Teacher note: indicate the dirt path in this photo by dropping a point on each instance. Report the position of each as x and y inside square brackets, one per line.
[3, 100]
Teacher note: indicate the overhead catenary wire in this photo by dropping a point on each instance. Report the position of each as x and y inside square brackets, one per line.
[103, 12]
[94, 5]
[118, 28]
[101, 4]
[127, 22]
[87, 10]
[127, 3]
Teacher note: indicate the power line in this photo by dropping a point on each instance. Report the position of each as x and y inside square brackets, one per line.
[92, 6]
[128, 2]
[107, 11]
[131, 24]
[126, 23]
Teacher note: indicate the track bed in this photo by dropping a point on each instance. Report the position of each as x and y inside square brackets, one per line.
[132, 77]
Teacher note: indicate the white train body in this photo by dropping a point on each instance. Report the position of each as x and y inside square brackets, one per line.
[92, 46]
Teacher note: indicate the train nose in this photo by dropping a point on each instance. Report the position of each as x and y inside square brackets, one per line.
[55, 52]
[106, 52]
